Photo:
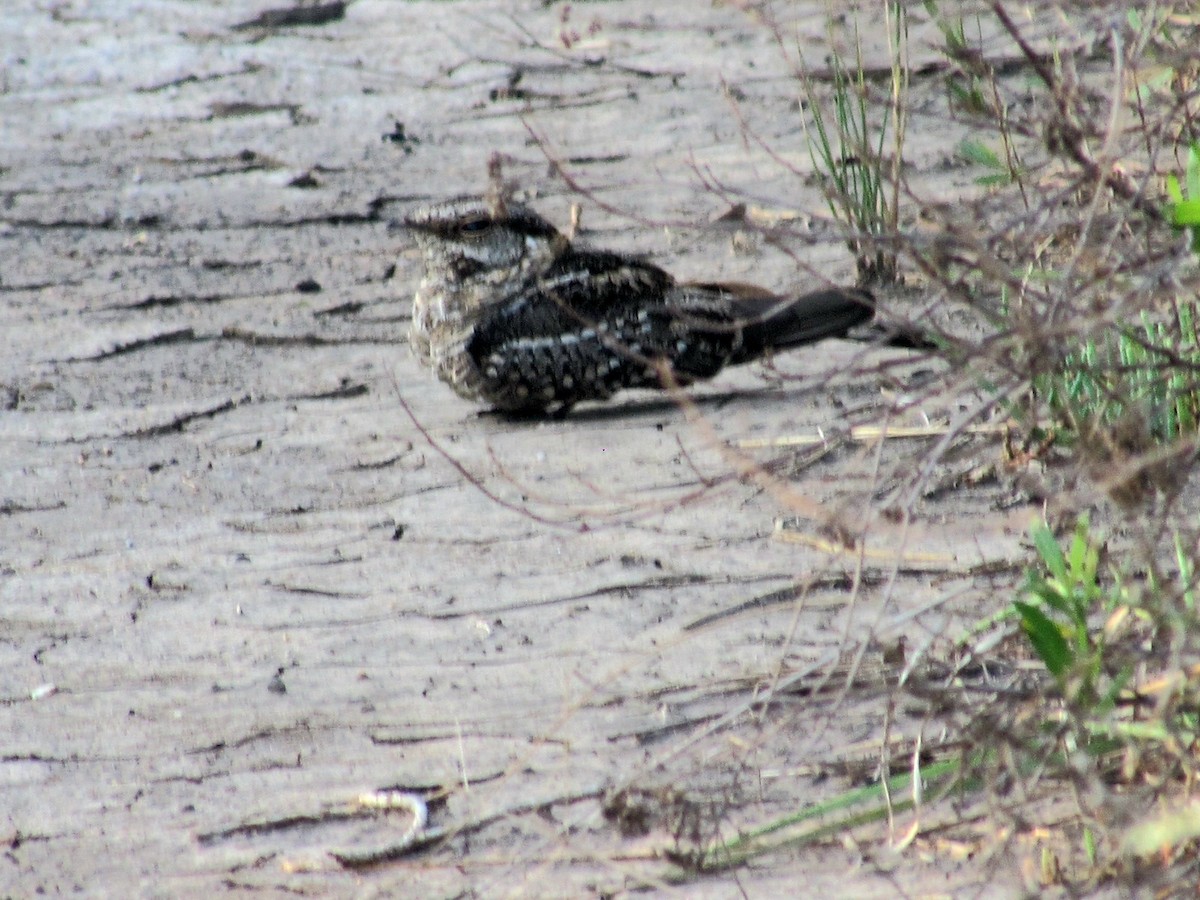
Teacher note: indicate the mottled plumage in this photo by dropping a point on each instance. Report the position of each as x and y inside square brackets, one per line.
[510, 313]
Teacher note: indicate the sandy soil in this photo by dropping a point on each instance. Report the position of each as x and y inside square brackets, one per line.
[253, 561]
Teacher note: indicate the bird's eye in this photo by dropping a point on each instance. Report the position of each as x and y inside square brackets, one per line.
[475, 226]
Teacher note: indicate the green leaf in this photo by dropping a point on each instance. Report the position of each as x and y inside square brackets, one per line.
[1052, 594]
[1186, 213]
[1084, 560]
[1048, 641]
[980, 154]
[1193, 171]
[1078, 552]
[1153, 732]
[1048, 549]
[1173, 190]
[1106, 703]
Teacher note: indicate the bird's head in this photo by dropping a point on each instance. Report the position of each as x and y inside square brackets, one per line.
[476, 239]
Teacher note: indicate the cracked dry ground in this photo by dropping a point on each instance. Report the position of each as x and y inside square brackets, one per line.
[254, 562]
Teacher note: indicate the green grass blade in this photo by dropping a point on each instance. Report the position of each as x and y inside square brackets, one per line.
[1049, 551]
[803, 826]
[1173, 189]
[1186, 213]
[980, 154]
[1047, 639]
[1193, 171]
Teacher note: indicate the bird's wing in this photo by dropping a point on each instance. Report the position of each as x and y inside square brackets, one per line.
[584, 329]
[580, 293]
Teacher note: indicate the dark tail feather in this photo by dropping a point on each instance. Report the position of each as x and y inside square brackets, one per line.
[806, 320]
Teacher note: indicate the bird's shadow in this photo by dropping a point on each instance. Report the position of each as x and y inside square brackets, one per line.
[607, 411]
